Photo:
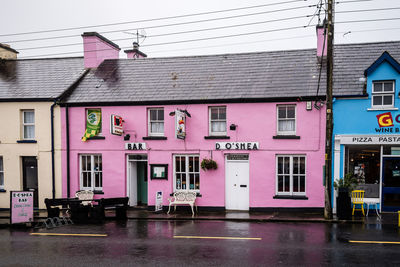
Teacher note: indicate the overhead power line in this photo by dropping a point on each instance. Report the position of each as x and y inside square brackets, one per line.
[176, 33]
[186, 41]
[153, 19]
[367, 10]
[170, 25]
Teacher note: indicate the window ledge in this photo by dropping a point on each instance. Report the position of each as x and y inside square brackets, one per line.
[97, 138]
[197, 195]
[217, 137]
[3, 190]
[154, 138]
[290, 197]
[286, 137]
[98, 192]
[26, 141]
[381, 109]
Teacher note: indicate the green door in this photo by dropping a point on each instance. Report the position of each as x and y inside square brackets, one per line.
[142, 182]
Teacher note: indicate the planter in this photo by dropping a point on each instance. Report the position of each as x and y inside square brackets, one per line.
[343, 204]
[208, 164]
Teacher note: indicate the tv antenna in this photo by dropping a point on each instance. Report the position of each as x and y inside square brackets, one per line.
[139, 34]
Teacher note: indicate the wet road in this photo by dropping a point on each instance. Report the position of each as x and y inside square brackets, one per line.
[201, 243]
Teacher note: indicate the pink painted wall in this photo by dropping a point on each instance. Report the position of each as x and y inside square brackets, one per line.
[96, 51]
[256, 122]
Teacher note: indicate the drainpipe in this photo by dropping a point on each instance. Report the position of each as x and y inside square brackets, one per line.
[68, 150]
[53, 178]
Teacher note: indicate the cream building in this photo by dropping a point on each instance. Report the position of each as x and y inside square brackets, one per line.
[29, 90]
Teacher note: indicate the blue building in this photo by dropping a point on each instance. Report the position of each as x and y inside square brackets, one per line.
[367, 121]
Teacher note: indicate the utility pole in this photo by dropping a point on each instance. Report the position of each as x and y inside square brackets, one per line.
[329, 114]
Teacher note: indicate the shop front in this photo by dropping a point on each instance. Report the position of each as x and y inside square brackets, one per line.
[375, 162]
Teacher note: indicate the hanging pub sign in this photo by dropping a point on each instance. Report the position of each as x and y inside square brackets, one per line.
[236, 146]
[180, 124]
[116, 125]
[21, 206]
[93, 123]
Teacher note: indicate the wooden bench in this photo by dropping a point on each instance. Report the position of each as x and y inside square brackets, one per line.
[119, 204]
[53, 206]
[183, 198]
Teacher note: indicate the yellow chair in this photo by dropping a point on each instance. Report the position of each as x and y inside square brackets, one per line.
[357, 197]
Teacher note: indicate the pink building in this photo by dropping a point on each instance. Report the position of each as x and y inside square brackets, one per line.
[257, 115]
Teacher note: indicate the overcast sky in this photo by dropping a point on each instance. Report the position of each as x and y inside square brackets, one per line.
[273, 20]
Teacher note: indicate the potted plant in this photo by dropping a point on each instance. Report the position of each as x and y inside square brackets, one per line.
[208, 164]
[343, 201]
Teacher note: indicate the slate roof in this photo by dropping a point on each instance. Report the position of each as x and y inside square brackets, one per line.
[38, 78]
[232, 77]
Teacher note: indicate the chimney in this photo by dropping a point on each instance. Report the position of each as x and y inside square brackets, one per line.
[6, 52]
[97, 48]
[321, 43]
[135, 53]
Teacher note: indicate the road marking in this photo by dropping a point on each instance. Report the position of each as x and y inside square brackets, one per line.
[374, 242]
[58, 234]
[217, 237]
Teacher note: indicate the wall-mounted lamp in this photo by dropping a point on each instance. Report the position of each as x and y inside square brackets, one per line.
[233, 127]
[126, 137]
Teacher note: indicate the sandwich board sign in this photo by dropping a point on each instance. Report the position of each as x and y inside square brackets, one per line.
[159, 199]
[21, 206]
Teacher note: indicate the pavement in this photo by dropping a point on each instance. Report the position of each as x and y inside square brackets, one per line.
[239, 216]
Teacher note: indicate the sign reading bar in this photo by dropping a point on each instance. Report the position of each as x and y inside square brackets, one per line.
[373, 140]
[135, 146]
[21, 204]
[236, 145]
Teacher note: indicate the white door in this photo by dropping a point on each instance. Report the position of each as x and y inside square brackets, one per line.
[132, 183]
[237, 182]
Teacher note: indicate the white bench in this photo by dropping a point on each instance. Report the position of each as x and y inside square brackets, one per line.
[183, 198]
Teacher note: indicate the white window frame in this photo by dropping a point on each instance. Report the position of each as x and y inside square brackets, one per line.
[210, 120]
[92, 173]
[290, 193]
[101, 123]
[278, 119]
[2, 172]
[28, 124]
[149, 121]
[186, 172]
[382, 94]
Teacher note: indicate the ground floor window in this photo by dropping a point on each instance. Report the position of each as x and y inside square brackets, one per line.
[91, 172]
[186, 172]
[1, 173]
[291, 175]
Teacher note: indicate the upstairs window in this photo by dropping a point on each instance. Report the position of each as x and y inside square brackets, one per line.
[156, 122]
[383, 94]
[217, 117]
[28, 124]
[286, 120]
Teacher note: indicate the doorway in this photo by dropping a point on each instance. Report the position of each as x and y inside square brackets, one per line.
[30, 178]
[237, 182]
[391, 184]
[137, 180]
